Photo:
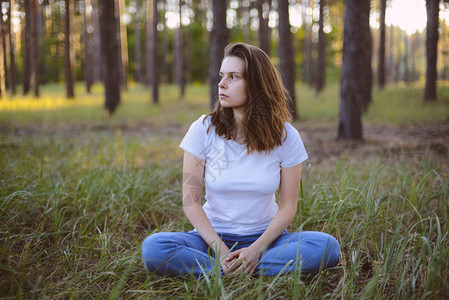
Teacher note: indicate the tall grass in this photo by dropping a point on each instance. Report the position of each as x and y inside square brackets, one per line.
[78, 196]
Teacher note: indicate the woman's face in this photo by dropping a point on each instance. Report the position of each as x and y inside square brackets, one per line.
[232, 86]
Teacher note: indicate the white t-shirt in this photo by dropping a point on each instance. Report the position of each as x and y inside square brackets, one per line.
[240, 188]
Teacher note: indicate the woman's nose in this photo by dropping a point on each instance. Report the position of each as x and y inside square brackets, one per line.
[221, 83]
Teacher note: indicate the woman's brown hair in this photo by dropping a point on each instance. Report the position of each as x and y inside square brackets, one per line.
[266, 109]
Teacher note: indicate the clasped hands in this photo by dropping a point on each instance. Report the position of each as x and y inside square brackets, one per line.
[244, 259]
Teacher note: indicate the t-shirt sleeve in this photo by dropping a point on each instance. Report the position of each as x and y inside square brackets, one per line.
[293, 150]
[194, 140]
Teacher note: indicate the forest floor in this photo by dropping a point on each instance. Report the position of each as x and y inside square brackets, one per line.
[320, 140]
[386, 140]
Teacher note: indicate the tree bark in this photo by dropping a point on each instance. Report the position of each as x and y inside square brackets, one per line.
[123, 44]
[353, 69]
[2, 67]
[398, 60]
[321, 66]
[148, 37]
[4, 41]
[34, 79]
[246, 7]
[98, 67]
[430, 89]
[263, 9]
[286, 56]
[88, 45]
[138, 42]
[12, 60]
[381, 66]
[165, 72]
[368, 73]
[406, 59]
[27, 49]
[180, 62]
[307, 47]
[152, 49]
[69, 51]
[414, 39]
[110, 49]
[389, 76]
[445, 52]
[218, 40]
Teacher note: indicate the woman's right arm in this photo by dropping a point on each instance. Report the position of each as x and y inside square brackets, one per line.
[192, 188]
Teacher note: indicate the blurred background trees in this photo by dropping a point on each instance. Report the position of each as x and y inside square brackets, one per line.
[181, 42]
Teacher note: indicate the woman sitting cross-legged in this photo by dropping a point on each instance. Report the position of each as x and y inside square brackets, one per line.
[244, 151]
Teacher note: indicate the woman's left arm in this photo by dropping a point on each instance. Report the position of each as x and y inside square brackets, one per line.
[288, 199]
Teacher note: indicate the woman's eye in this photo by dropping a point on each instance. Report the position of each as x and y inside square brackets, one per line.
[234, 77]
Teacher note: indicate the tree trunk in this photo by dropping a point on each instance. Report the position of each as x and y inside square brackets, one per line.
[138, 43]
[307, 47]
[148, 38]
[353, 69]
[27, 49]
[2, 67]
[247, 21]
[381, 66]
[110, 49]
[406, 59]
[165, 74]
[98, 67]
[414, 40]
[123, 44]
[390, 65]
[263, 9]
[321, 66]
[286, 56]
[188, 58]
[88, 45]
[4, 41]
[430, 89]
[41, 20]
[34, 79]
[180, 70]
[218, 40]
[398, 60]
[152, 49]
[154, 54]
[368, 73]
[445, 53]
[12, 60]
[69, 51]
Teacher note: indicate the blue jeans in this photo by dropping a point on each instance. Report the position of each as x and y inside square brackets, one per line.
[182, 253]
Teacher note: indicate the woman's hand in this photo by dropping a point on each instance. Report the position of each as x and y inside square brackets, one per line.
[229, 264]
[245, 259]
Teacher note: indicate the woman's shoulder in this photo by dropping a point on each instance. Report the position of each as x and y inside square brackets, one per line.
[205, 119]
[292, 151]
[202, 122]
[290, 133]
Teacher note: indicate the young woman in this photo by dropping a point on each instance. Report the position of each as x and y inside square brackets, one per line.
[244, 151]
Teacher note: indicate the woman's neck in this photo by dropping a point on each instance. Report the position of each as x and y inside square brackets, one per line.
[239, 116]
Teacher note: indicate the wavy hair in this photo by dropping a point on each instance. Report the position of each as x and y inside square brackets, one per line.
[266, 109]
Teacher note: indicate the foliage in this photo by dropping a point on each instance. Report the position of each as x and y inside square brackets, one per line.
[51, 37]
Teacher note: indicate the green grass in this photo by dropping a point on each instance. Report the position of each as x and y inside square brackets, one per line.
[397, 105]
[80, 191]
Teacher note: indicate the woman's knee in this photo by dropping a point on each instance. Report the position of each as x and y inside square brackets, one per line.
[153, 247]
[332, 253]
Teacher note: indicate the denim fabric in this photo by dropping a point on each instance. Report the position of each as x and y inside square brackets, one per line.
[183, 253]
